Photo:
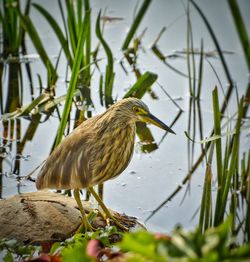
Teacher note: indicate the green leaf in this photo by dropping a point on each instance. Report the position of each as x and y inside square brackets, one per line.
[87, 56]
[8, 257]
[158, 53]
[241, 251]
[109, 75]
[142, 85]
[211, 138]
[218, 48]
[241, 29]
[143, 243]
[217, 132]
[55, 247]
[72, 25]
[54, 25]
[74, 77]
[206, 207]
[232, 167]
[136, 23]
[76, 252]
[33, 34]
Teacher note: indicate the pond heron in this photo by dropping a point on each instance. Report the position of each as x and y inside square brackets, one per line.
[97, 150]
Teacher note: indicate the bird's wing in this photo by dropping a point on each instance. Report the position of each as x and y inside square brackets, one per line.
[67, 167]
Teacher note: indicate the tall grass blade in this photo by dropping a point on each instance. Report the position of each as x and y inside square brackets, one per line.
[200, 73]
[223, 61]
[211, 138]
[189, 131]
[79, 12]
[10, 27]
[74, 77]
[169, 96]
[159, 36]
[200, 158]
[63, 18]
[14, 89]
[101, 89]
[241, 29]
[87, 53]
[142, 85]
[1, 90]
[31, 30]
[199, 87]
[223, 108]
[192, 89]
[72, 25]
[217, 132]
[25, 110]
[190, 50]
[232, 166]
[136, 23]
[109, 75]
[50, 104]
[158, 53]
[56, 28]
[247, 179]
[206, 202]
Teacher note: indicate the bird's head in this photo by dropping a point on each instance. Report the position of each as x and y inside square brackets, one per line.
[137, 111]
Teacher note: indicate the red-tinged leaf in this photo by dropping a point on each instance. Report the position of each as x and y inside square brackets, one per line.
[93, 248]
[161, 236]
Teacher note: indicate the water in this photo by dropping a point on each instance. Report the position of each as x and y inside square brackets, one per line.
[149, 178]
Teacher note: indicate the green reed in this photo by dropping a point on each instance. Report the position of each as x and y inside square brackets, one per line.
[136, 23]
[74, 77]
[58, 31]
[217, 132]
[30, 29]
[159, 54]
[69, 39]
[222, 159]
[71, 36]
[109, 75]
[142, 85]
[13, 33]
[241, 29]
[195, 86]
[11, 46]
[231, 178]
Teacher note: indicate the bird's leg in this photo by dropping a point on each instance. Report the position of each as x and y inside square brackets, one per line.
[105, 209]
[85, 221]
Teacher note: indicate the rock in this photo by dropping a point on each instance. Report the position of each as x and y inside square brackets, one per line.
[45, 216]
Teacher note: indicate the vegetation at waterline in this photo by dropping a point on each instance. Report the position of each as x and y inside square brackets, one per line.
[214, 244]
[223, 232]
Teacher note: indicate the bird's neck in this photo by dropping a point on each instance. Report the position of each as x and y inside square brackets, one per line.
[114, 121]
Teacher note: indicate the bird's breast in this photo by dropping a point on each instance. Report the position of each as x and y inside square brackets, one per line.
[113, 155]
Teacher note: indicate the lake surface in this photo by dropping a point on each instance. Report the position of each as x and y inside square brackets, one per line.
[150, 177]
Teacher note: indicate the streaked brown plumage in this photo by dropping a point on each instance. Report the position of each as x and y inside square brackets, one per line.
[98, 150]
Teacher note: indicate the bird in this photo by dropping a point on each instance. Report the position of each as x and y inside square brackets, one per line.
[99, 149]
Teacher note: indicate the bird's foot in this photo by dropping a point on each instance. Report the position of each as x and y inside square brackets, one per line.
[126, 221]
[118, 224]
[86, 224]
[112, 219]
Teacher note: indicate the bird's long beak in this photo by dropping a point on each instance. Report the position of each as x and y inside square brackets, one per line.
[155, 121]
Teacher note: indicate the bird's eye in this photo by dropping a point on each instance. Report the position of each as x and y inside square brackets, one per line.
[136, 109]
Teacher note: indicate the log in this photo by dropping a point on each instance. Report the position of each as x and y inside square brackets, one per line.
[45, 216]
